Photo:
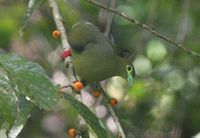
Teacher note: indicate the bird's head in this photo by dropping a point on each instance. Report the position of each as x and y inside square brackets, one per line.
[127, 70]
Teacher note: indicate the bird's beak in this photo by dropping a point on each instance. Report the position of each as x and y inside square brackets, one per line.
[130, 73]
[130, 80]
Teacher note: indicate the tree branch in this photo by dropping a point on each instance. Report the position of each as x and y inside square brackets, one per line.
[146, 27]
[113, 114]
[60, 26]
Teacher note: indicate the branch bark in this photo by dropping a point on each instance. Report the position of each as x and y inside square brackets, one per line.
[60, 26]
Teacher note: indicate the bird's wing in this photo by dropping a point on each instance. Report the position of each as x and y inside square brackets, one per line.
[97, 62]
[77, 41]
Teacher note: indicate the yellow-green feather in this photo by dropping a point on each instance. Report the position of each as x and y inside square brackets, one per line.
[93, 56]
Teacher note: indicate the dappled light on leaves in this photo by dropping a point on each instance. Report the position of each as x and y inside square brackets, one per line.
[156, 50]
[143, 66]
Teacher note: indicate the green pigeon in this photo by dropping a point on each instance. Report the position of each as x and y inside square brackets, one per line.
[94, 57]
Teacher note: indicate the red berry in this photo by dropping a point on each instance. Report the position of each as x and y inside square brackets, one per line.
[66, 53]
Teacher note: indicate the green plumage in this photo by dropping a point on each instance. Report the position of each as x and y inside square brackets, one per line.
[93, 56]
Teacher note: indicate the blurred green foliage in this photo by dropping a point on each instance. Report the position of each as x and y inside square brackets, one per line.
[164, 100]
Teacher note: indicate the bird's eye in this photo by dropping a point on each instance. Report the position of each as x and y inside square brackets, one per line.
[129, 68]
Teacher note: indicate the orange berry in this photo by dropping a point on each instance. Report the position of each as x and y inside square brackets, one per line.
[96, 93]
[72, 132]
[56, 33]
[77, 86]
[113, 101]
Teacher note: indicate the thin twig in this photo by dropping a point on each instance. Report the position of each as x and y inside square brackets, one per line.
[113, 114]
[146, 27]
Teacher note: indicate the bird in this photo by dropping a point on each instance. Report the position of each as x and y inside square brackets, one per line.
[95, 57]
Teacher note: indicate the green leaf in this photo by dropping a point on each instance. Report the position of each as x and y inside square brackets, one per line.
[88, 116]
[14, 109]
[23, 84]
[8, 108]
[24, 110]
[8, 101]
[30, 79]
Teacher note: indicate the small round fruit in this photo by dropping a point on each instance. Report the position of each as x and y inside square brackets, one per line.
[56, 33]
[77, 86]
[72, 132]
[113, 101]
[96, 93]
